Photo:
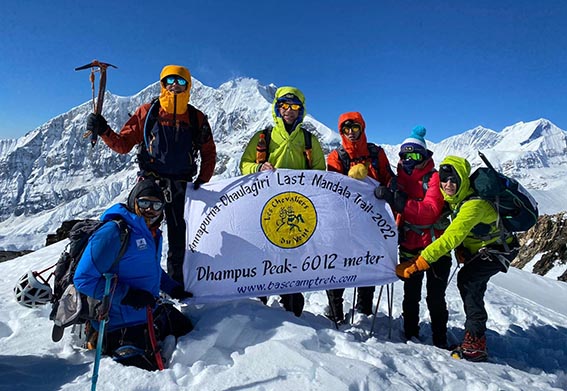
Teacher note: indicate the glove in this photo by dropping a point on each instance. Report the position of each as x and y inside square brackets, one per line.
[197, 184]
[180, 293]
[138, 298]
[462, 254]
[358, 171]
[407, 268]
[396, 199]
[97, 124]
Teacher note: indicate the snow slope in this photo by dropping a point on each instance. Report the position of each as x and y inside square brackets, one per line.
[243, 345]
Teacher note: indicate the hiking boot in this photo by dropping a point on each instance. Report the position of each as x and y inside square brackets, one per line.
[440, 341]
[364, 308]
[293, 302]
[337, 316]
[472, 348]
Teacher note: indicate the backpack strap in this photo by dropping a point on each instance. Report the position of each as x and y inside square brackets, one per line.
[344, 158]
[124, 238]
[268, 137]
[442, 222]
[306, 136]
[151, 119]
[374, 152]
[308, 147]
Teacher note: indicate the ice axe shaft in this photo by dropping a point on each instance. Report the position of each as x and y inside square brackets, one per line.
[95, 66]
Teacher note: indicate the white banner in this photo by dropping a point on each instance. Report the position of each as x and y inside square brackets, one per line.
[286, 231]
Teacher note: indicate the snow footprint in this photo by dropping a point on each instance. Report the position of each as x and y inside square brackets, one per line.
[5, 330]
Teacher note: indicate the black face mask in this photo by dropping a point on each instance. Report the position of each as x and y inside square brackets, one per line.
[408, 165]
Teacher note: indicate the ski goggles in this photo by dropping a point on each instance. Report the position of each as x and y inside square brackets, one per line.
[412, 156]
[145, 204]
[170, 80]
[351, 128]
[285, 106]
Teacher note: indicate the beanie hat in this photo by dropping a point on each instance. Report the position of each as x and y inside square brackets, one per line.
[416, 143]
[144, 188]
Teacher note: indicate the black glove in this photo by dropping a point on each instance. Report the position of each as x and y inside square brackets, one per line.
[180, 293]
[382, 192]
[198, 182]
[138, 298]
[97, 124]
[396, 199]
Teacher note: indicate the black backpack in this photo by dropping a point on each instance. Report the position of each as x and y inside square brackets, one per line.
[517, 209]
[69, 306]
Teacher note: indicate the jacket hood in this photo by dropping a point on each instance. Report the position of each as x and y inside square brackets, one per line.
[359, 147]
[170, 102]
[280, 92]
[463, 169]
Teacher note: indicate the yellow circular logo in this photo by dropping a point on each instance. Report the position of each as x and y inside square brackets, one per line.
[289, 219]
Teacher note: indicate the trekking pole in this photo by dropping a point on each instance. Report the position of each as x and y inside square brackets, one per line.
[97, 108]
[375, 312]
[390, 299]
[153, 340]
[353, 304]
[105, 306]
[453, 274]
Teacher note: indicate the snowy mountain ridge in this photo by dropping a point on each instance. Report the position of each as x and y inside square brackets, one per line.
[52, 174]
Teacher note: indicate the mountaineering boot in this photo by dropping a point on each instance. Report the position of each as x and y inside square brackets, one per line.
[335, 314]
[472, 349]
[293, 302]
[364, 300]
[440, 341]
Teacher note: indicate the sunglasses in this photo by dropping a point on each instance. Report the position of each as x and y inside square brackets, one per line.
[354, 128]
[285, 106]
[451, 179]
[169, 80]
[145, 204]
[412, 156]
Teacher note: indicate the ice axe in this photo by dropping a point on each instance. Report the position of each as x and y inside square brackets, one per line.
[96, 66]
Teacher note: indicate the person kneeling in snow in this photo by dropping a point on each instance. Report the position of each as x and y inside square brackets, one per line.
[137, 283]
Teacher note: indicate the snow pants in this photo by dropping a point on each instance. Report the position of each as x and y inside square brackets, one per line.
[174, 215]
[436, 285]
[472, 281]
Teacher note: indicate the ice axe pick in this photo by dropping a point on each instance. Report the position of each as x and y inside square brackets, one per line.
[96, 66]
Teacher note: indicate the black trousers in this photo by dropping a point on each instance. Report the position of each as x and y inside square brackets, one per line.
[472, 281]
[365, 296]
[167, 321]
[436, 285]
[174, 215]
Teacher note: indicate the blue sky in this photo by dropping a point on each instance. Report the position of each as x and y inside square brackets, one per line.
[447, 65]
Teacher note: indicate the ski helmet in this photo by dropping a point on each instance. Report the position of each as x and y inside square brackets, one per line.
[30, 292]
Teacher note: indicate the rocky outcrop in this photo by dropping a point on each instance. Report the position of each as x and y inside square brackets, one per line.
[545, 244]
[7, 255]
[61, 233]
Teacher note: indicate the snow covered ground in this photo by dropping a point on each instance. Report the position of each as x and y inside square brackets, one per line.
[244, 345]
